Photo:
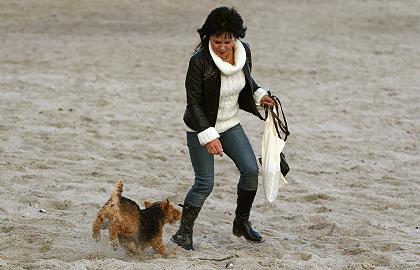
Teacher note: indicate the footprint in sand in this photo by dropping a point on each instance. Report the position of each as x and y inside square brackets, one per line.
[7, 229]
[318, 197]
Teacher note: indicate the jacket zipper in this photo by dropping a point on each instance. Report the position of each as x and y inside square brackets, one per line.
[208, 76]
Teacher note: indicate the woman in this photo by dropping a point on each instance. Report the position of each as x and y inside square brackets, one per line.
[218, 84]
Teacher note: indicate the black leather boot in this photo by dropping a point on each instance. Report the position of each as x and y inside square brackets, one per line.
[241, 224]
[184, 236]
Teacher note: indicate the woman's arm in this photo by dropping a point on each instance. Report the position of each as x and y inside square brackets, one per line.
[193, 86]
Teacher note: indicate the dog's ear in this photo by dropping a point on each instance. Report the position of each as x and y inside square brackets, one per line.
[167, 204]
[147, 204]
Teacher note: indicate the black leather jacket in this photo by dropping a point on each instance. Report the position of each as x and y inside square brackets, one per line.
[203, 90]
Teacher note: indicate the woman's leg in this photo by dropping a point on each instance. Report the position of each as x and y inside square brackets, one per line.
[236, 145]
[203, 165]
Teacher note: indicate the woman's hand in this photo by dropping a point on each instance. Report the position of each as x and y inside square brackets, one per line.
[215, 147]
[267, 101]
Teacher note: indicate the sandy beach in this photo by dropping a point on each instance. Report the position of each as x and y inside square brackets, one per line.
[93, 91]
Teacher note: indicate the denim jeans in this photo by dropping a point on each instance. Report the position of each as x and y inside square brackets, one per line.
[236, 146]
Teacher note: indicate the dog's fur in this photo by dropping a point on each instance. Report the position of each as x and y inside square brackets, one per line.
[132, 227]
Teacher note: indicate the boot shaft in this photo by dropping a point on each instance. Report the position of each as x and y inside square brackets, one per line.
[244, 203]
[188, 217]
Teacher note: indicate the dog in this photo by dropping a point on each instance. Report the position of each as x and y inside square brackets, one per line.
[132, 227]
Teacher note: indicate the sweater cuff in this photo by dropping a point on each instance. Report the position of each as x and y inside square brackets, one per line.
[258, 94]
[208, 135]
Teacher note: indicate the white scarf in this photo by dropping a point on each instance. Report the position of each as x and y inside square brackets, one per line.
[225, 67]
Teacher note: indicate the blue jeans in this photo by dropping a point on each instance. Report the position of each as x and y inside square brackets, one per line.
[236, 146]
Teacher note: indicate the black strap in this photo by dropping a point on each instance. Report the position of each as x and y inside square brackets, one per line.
[278, 124]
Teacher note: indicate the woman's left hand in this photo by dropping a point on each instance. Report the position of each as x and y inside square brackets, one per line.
[267, 101]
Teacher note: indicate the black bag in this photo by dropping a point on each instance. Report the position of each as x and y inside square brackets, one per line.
[279, 125]
[283, 165]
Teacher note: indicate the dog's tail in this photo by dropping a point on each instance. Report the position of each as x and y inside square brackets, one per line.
[116, 195]
[105, 213]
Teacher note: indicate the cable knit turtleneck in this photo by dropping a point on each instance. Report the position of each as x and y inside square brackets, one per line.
[232, 82]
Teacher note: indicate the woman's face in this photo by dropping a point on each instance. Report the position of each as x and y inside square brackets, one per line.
[222, 45]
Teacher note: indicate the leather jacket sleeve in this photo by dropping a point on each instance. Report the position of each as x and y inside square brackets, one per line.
[193, 86]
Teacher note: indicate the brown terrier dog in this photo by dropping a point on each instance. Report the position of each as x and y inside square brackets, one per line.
[134, 228]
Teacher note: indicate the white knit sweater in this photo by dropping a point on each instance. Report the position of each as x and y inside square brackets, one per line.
[232, 82]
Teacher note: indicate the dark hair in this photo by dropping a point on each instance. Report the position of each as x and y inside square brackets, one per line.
[221, 20]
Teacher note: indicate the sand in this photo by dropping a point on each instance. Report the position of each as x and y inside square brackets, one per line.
[93, 91]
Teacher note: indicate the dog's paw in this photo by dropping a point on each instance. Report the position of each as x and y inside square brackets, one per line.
[115, 244]
[165, 253]
[96, 235]
[169, 253]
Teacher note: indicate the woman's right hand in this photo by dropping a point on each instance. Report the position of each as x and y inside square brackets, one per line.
[215, 147]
